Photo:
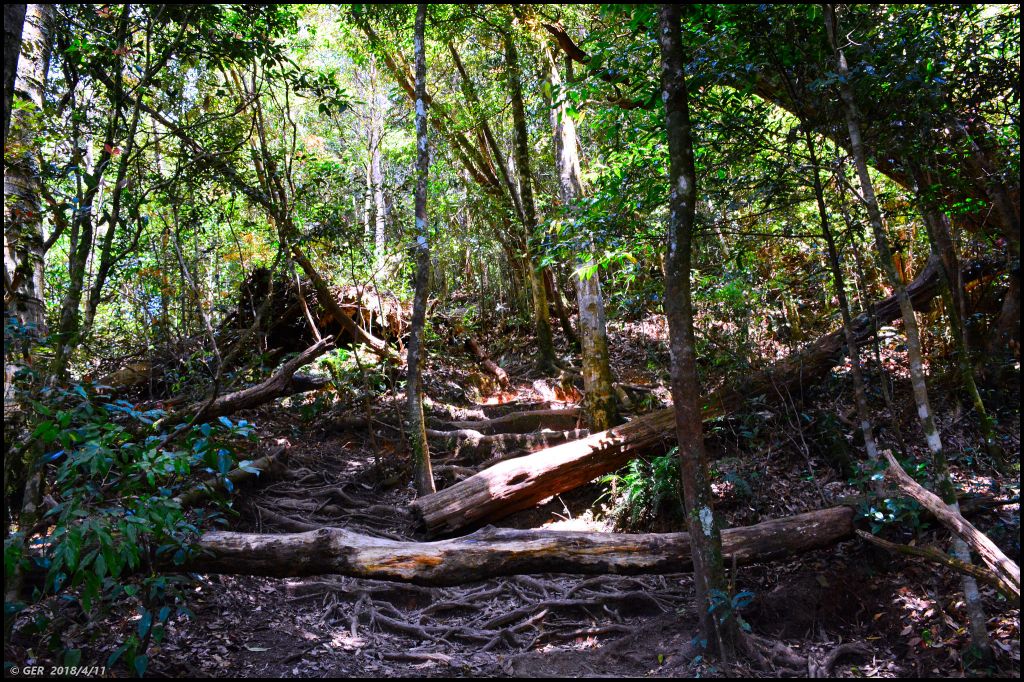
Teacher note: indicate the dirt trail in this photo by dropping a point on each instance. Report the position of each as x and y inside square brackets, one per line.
[543, 625]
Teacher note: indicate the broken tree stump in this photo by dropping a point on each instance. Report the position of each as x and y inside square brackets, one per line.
[495, 552]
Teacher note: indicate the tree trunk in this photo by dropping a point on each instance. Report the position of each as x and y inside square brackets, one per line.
[979, 636]
[853, 349]
[599, 397]
[24, 279]
[23, 221]
[14, 21]
[716, 628]
[541, 314]
[494, 552]
[521, 483]
[422, 475]
[953, 295]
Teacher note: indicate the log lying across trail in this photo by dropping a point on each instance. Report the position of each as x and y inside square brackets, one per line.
[521, 483]
[492, 552]
[273, 462]
[485, 361]
[524, 422]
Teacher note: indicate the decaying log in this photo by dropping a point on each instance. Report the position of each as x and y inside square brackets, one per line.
[1001, 565]
[473, 446]
[283, 382]
[521, 483]
[485, 361]
[273, 462]
[494, 552]
[524, 422]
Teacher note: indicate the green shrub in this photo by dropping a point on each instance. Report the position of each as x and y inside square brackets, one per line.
[113, 517]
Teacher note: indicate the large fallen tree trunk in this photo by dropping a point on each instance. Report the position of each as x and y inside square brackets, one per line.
[496, 552]
[523, 422]
[521, 483]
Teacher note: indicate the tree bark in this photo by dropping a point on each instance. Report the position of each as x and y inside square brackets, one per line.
[541, 314]
[23, 217]
[599, 397]
[422, 475]
[705, 532]
[495, 552]
[14, 21]
[521, 483]
[24, 278]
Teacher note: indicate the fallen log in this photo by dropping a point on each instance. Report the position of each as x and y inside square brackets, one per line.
[283, 382]
[485, 361]
[939, 557]
[1003, 567]
[473, 446]
[271, 463]
[523, 422]
[492, 552]
[522, 483]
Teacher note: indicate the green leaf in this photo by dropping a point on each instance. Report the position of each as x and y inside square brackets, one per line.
[145, 622]
[140, 664]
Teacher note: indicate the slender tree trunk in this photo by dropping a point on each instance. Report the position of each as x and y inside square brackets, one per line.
[376, 172]
[600, 403]
[975, 611]
[422, 475]
[859, 394]
[542, 316]
[953, 296]
[705, 534]
[23, 222]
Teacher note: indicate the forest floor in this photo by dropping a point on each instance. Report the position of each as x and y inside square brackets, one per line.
[909, 614]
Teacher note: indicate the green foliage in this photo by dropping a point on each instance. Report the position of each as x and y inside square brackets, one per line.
[646, 492]
[727, 607]
[899, 512]
[114, 520]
